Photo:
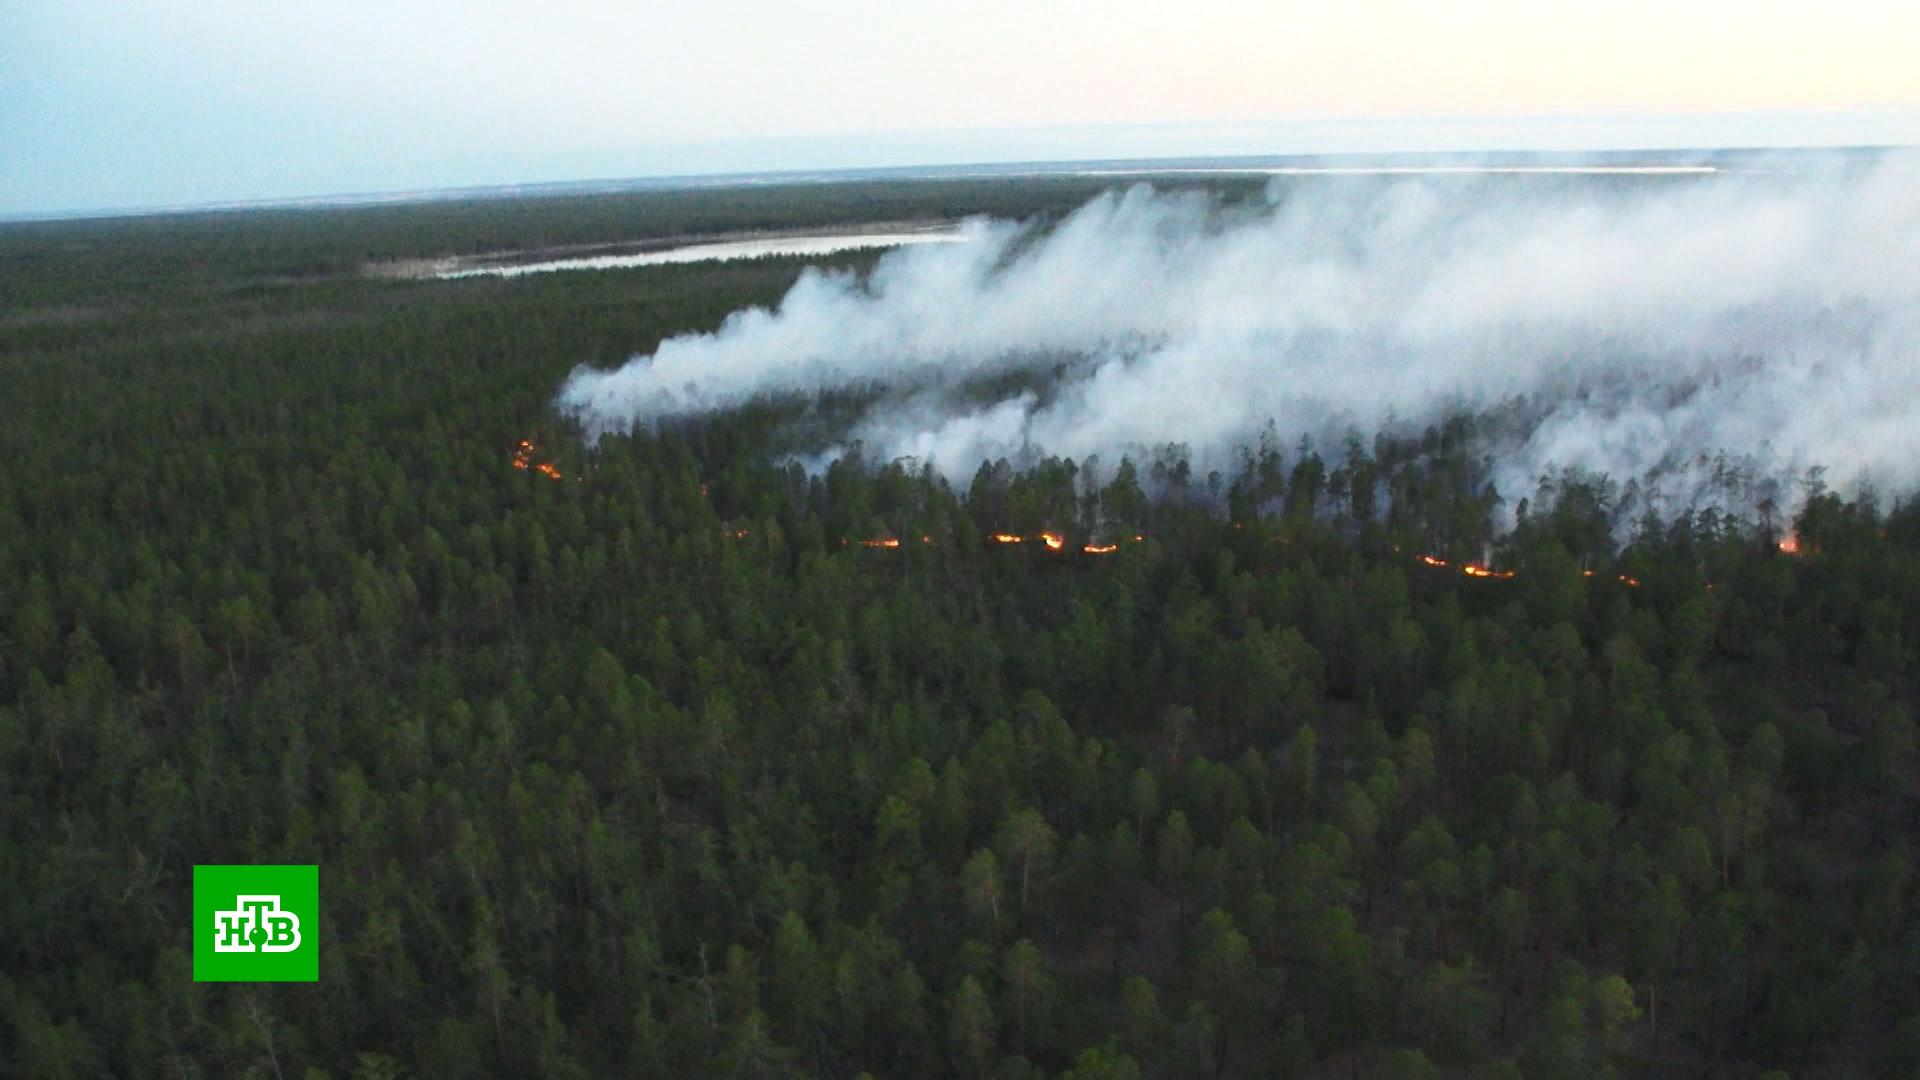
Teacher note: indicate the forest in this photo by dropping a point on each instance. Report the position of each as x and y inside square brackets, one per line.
[647, 763]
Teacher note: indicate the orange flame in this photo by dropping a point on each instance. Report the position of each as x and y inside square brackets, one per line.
[1100, 549]
[1138, 539]
[1790, 545]
[1006, 538]
[1054, 541]
[1631, 583]
[1431, 561]
[1472, 570]
[881, 542]
[523, 459]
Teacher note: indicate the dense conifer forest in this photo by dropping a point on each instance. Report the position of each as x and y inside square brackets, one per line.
[646, 764]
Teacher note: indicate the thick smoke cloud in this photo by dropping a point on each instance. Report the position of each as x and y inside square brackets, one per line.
[1638, 328]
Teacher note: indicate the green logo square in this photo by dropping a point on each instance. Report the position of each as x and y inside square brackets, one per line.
[256, 924]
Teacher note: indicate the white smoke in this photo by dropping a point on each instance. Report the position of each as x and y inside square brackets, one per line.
[1643, 327]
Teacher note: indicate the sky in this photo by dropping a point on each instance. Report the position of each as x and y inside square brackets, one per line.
[137, 103]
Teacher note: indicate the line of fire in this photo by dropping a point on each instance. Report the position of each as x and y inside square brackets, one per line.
[1050, 541]
[1057, 542]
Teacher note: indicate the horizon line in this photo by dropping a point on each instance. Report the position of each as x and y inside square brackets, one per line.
[990, 168]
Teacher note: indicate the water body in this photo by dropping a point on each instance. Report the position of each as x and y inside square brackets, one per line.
[716, 251]
[1412, 170]
[720, 249]
[1816, 161]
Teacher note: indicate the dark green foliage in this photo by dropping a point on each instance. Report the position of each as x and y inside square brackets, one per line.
[595, 790]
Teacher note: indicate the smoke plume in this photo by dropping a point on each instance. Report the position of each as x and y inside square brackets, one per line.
[1643, 328]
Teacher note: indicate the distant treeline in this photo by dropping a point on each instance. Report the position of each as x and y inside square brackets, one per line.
[48, 261]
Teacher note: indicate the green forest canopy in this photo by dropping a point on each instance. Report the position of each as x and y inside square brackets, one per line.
[598, 789]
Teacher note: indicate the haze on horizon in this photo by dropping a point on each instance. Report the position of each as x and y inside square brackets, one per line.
[161, 102]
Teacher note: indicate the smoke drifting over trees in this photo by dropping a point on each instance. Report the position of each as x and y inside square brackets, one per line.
[1651, 329]
[673, 761]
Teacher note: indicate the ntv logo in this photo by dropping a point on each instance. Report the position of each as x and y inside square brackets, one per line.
[256, 923]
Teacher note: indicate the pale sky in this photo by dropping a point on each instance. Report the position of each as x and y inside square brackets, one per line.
[150, 102]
